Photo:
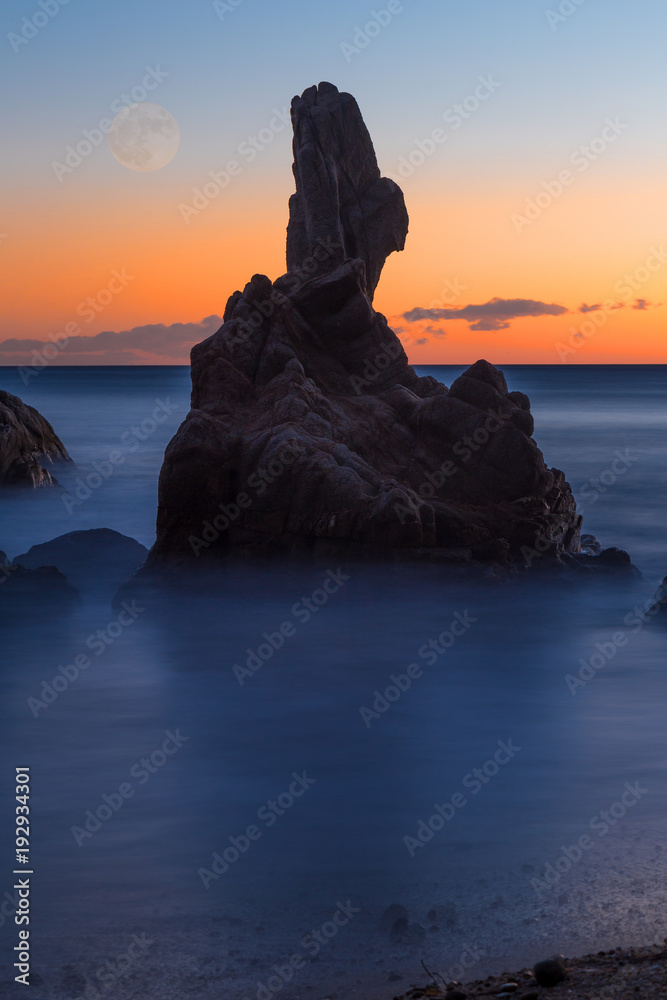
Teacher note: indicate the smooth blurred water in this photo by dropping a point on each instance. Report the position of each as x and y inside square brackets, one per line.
[504, 680]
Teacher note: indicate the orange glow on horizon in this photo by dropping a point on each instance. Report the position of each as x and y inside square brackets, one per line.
[577, 251]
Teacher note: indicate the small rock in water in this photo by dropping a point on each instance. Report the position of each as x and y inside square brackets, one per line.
[393, 913]
[590, 544]
[615, 557]
[550, 972]
[97, 559]
[404, 932]
[443, 913]
[509, 987]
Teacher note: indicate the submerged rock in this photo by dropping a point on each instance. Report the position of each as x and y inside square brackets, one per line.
[407, 933]
[39, 592]
[394, 912]
[27, 441]
[659, 606]
[309, 430]
[98, 560]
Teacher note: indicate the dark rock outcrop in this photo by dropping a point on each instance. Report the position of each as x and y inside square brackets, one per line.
[659, 606]
[27, 440]
[310, 430]
[28, 592]
[95, 561]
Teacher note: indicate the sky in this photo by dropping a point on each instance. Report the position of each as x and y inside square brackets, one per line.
[527, 136]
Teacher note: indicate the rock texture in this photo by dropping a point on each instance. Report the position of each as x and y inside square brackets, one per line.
[340, 195]
[27, 441]
[309, 428]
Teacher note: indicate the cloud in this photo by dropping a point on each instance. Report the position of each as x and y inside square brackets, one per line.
[153, 344]
[493, 315]
[590, 309]
[422, 340]
[641, 304]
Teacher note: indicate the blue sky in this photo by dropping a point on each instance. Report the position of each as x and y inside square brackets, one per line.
[225, 73]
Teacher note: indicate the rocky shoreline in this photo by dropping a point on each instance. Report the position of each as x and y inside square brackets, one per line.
[28, 442]
[621, 974]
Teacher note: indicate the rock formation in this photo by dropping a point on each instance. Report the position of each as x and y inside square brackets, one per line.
[310, 430]
[25, 593]
[341, 200]
[26, 441]
[96, 561]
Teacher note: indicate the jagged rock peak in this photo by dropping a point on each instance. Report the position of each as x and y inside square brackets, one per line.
[309, 431]
[340, 194]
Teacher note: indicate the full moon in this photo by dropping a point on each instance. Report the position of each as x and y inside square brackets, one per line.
[144, 137]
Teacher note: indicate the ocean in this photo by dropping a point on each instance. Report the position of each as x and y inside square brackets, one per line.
[489, 757]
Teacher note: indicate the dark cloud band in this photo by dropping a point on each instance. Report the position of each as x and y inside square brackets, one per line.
[493, 315]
